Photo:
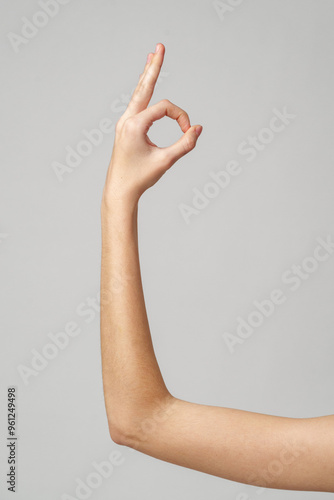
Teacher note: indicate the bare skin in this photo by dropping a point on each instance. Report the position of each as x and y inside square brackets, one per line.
[242, 446]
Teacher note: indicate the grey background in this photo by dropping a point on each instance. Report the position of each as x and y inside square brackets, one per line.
[228, 74]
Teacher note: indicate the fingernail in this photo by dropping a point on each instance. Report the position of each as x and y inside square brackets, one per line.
[198, 130]
[157, 47]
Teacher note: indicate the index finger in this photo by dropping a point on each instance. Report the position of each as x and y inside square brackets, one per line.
[144, 90]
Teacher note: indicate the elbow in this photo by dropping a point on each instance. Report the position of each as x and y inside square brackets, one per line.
[117, 435]
[132, 429]
[121, 433]
[122, 427]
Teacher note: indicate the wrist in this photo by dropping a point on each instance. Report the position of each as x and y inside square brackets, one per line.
[118, 210]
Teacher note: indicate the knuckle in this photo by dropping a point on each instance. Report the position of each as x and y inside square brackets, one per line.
[165, 102]
[190, 143]
[145, 85]
[130, 125]
[136, 95]
[185, 114]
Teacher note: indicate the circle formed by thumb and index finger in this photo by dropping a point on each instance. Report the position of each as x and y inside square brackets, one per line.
[148, 116]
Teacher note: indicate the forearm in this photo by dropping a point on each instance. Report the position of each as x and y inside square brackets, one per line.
[133, 385]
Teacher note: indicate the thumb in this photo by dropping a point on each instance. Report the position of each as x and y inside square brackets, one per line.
[184, 145]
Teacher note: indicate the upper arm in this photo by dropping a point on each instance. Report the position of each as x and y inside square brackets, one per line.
[247, 447]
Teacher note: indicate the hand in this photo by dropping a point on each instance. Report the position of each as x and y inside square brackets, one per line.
[136, 162]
